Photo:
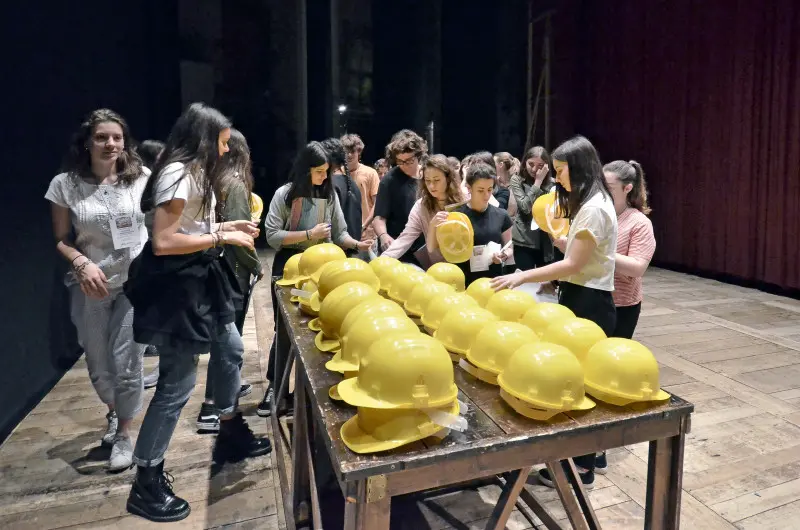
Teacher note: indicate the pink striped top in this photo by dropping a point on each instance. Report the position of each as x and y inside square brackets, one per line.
[635, 238]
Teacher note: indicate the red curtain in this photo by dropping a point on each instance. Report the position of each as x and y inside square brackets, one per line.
[706, 95]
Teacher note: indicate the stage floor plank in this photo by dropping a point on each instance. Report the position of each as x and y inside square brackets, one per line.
[734, 352]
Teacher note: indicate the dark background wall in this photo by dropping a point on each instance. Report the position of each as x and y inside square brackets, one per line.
[706, 95]
[80, 56]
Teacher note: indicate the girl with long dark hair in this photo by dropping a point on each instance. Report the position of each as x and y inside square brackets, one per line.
[532, 248]
[234, 189]
[99, 228]
[184, 304]
[304, 212]
[586, 274]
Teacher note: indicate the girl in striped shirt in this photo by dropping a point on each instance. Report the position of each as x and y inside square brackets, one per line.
[635, 241]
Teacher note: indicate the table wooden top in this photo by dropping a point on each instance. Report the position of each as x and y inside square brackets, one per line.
[493, 425]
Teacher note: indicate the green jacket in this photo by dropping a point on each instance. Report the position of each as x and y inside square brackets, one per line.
[236, 206]
[526, 193]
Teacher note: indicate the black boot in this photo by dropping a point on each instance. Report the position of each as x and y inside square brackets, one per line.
[236, 441]
[152, 496]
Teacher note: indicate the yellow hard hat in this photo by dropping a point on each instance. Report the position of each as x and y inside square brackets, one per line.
[481, 290]
[544, 314]
[403, 284]
[391, 274]
[290, 271]
[360, 338]
[374, 430]
[439, 305]
[455, 237]
[494, 345]
[622, 371]
[459, 326]
[372, 308]
[448, 273]
[510, 305]
[543, 379]
[315, 257]
[256, 207]
[310, 287]
[576, 334]
[422, 294]
[547, 216]
[404, 371]
[382, 265]
[334, 310]
[337, 273]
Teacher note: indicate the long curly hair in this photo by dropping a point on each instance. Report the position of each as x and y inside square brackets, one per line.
[78, 162]
[429, 202]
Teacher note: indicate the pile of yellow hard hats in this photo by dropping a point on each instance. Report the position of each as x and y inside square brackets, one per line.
[404, 390]
[544, 360]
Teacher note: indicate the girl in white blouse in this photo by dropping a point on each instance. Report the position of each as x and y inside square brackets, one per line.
[99, 228]
[586, 274]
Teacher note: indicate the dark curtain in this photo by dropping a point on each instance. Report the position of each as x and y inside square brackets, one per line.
[706, 95]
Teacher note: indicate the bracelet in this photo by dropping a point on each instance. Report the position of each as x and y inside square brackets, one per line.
[76, 257]
[381, 235]
[214, 240]
[79, 269]
[308, 236]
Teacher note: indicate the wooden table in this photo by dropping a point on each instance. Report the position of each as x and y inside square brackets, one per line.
[498, 443]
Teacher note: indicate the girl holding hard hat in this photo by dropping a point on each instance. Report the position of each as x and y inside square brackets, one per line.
[303, 213]
[491, 226]
[532, 248]
[586, 274]
[438, 188]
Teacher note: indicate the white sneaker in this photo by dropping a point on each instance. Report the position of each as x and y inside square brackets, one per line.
[111, 431]
[121, 454]
[151, 379]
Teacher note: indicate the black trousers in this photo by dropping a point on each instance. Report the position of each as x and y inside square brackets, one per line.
[627, 318]
[597, 306]
[528, 258]
[281, 258]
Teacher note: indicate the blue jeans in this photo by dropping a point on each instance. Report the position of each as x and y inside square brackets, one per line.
[176, 380]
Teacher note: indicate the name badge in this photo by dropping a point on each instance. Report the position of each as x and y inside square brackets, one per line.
[480, 259]
[125, 231]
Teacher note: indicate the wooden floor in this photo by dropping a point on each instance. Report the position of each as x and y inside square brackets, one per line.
[733, 352]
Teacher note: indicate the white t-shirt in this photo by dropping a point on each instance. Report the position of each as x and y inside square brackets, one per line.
[170, 186]
[598, 218]
[91, 208]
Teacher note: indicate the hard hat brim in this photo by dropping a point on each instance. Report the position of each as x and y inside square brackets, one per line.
[324, 344]
[361, 442]
[352, 393]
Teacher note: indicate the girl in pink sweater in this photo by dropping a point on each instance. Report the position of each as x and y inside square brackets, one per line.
[438, 189]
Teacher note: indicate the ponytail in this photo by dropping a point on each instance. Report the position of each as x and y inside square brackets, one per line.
[631, 173]
[637, 198]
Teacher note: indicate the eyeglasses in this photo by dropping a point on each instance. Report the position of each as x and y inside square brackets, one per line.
[407, 161]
